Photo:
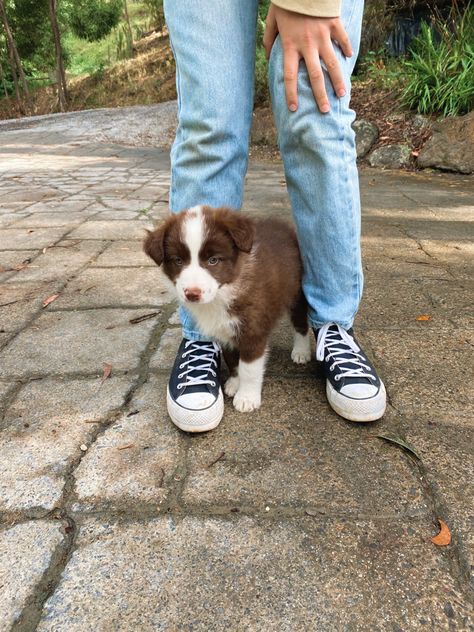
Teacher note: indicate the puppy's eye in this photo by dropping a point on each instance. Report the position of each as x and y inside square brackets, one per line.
[178, 261]
[213, 261]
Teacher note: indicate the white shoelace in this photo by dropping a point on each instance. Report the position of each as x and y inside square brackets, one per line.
[330, 347]
[206, 361]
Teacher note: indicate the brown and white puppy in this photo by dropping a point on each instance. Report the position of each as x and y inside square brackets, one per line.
[236, 276]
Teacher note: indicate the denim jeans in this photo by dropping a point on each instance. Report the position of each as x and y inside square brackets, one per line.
[214, 46]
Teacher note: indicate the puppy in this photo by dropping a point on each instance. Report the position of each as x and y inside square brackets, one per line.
[236, 276]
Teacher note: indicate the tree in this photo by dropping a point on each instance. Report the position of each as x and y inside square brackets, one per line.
[60, 73]
[15, 61]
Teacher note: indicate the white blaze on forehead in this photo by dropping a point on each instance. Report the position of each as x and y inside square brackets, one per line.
[193, 235]
[193, 232]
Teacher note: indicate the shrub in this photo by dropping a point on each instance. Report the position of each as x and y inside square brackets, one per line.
[439, 71]
[94, 19]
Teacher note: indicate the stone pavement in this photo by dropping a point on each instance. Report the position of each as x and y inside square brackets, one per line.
[285, 519]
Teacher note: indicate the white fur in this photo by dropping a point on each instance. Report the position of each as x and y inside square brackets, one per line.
[301, 352]
[231, 386]
[194, 275]
[249, 394]
[213, 319]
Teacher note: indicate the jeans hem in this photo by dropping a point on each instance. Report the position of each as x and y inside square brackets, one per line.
[196, 336]
[347, 324]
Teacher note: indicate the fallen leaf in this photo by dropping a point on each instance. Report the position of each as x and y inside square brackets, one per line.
[415, 153]
[444, 536]
[106, 373]
[125, 447]
[423, 317]
[401, 443]
[140, 319]
[49, 300]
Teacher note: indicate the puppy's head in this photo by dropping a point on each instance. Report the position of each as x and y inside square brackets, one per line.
[200, 250]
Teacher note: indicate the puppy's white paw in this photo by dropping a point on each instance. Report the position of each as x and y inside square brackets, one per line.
[246, 402]
[301, 353]
[301, 357]
[232, 386]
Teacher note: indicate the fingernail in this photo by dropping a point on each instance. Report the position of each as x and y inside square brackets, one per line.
[325, 108]
[341, 93]
[293, 107]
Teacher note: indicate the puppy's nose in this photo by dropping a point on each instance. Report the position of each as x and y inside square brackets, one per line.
[193, 294]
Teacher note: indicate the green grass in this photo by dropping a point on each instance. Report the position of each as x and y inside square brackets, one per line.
[86, 58]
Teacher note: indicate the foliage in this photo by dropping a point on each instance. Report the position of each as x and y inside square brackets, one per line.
[92, 20]
[439, 72]
[261, 65]
[156, 13]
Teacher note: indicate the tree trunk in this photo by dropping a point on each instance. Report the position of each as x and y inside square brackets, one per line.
[60, 74]
[129, 26]
[17, 68]
[4, 83]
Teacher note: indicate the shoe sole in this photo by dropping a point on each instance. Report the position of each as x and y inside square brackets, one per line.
[196, 420]
[360, 410]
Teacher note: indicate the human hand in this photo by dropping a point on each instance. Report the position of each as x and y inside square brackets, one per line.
[309, 38]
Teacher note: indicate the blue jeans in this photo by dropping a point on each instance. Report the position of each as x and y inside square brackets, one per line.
[214, 46]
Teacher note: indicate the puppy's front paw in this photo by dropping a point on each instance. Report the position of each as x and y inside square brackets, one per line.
[301, 352]
[246, 402]
[232, 386]
[301, 356]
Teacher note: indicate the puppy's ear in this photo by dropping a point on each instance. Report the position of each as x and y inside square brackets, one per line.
[154, 243]
[241, 229]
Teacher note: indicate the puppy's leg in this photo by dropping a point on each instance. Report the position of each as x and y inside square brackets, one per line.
[231, 357]
[251, 369]
[301, 352]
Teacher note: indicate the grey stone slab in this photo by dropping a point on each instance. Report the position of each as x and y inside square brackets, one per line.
[295, 452]
[134, 460]
[11, 259]
[98, 287]
[59, 262]
[60, 206]
[47, 220]
[448, 457]
[164, 356]
[70, 342]
[32, 238]
[43, 431]
[124, 254]
[242, 574]
[26, 551]
[123, 204]
[107, 229]
[458, 256]
[19, 302]
[426, 371]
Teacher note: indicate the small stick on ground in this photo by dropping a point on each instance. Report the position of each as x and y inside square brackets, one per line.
[221, 457]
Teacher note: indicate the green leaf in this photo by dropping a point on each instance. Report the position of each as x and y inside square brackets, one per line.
[401, 443]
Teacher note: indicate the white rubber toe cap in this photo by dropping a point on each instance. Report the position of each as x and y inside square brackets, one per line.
[359, 391]
[196, 420]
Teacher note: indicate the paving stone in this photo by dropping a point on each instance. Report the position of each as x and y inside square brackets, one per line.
[106, 229]
[243, 574]
[40, 220]
[164, 356]
[98, 287]
[457, 255]
[411, 361]
[59, 262]
[21, 301]
[43, 431]
[124, 254]
[291, 452]
[11, 258]
[23, 239]
[60, 206]
[26, 551]
[70, 342]
[134, 461]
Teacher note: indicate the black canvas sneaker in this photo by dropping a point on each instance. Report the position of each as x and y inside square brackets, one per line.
[353, 387]
[195, 401]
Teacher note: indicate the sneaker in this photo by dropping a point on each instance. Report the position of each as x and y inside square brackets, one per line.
[195, 401]
[353, 387]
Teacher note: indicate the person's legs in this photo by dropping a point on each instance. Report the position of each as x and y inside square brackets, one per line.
[214, 47]
[319, 156]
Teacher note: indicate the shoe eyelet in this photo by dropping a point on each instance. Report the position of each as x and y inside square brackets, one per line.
[213, 383]
[331, 368]
[337, 378]
[180, 376]
[181, 366]
[179, 387]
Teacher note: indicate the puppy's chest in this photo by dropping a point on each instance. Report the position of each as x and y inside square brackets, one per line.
[216, 320]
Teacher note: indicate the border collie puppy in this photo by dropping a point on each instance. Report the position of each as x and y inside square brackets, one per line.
[237, 276]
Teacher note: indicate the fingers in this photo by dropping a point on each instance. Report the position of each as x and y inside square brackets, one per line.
[340, 36]
[271, 31]
[316, 77]
[334, 70]
[291, 60]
